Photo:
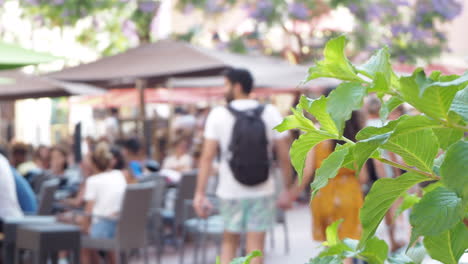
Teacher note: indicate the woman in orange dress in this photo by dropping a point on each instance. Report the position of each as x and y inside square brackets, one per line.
[342, 198]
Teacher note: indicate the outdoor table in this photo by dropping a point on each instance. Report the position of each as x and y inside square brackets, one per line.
[10, 226]
[48, 240]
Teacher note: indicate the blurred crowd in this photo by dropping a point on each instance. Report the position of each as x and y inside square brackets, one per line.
[94, 180]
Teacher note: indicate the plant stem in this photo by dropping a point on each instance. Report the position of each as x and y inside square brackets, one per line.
[403, 167]
[348, 140]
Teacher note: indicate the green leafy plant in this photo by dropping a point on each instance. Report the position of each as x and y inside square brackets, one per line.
[244, 260]
[432, 146]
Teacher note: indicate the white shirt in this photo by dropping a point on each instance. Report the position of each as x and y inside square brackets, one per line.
[219, 126]
[9, 205]
[112, 127]
[106, 190]
[174, 163]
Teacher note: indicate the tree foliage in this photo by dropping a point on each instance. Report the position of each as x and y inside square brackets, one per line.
[432, 146]
[125, 21]
[410, 28]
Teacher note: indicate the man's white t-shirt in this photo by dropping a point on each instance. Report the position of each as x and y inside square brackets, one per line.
[9, 205]
[219, 126]
[106, 190]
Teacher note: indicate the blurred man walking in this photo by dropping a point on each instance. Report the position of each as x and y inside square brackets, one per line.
[243, 133]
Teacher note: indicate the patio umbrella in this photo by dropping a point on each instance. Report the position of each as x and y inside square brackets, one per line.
[30, 86]
[13, 56]
[155, 63]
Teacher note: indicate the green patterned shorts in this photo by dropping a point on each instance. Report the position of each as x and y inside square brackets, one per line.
[248, 215]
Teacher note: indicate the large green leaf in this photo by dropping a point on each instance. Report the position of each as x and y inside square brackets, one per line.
[388, 106]
[248, 258]
[409, 200]
[382, 195]
[438, 211]
[349, 160]
[460, 104]
[318, 108]
[301, 147]
[448, 246]
[379, 68]
[375, 251]
[417, 253]
[409, 140]
[447, 136]
[371, 131]
[331, 233]
[335, 64]
[328, 169]
[454, 170]
[345, 99]
[364, 148]
[400, 259]
[327, 260]
[419, 90]
[296, 121]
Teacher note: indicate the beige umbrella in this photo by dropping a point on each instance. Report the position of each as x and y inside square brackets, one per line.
[31, 86]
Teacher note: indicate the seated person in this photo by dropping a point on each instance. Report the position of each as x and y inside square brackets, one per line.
[132, 153]
[180, 159]
[69, 181]
[103, 196]
[24, 193]
[26, 197]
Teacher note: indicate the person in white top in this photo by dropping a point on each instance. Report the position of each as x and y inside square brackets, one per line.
[103, 195]
[9, 205]
[179, 160]
[245, 208]
[112, 125]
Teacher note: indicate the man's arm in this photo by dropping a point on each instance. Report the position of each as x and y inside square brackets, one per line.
[282, 152]
[200, 203]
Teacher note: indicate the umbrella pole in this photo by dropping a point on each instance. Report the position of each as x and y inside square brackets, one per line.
[141, 85]
[171, 113]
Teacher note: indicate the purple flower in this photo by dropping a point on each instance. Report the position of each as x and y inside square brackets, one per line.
[262, 10]
[65, 13]
[397, 30]
[419, 34]
[449, 9]
[129, 29]
[298, 11]
[353, 8]
[58, 2]
[400, 2]
[373, 12]
[402, 58]
[32, 2]
[147, 6]
[214, 6]
[188, 9]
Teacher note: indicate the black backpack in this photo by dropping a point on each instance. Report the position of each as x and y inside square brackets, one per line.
[249, 162]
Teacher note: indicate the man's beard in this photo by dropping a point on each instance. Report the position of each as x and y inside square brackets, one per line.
[229, 96]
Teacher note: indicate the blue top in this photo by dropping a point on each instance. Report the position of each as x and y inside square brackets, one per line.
[136, 168]
[26, 197]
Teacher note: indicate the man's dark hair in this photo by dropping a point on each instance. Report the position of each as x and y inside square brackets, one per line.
[240, 76]
[114, 111]
[132, 144]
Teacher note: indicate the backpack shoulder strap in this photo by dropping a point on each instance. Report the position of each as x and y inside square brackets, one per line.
[233, 111]
[259, 110]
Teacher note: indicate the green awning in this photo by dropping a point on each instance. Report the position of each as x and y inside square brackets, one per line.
[13, 56]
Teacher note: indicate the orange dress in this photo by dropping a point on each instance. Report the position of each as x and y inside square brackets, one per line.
[342, 198]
